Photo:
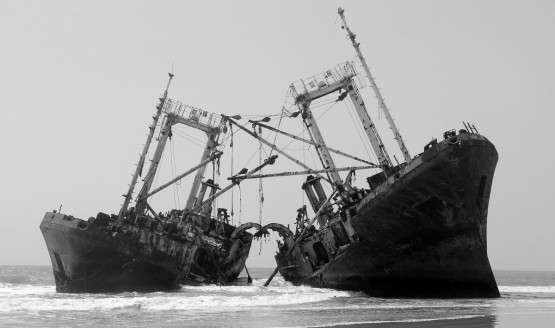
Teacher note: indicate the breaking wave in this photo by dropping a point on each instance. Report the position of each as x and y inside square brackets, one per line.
[45, 298]
[527, 289]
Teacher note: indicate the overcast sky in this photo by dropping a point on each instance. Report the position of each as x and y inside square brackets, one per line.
[79, 81]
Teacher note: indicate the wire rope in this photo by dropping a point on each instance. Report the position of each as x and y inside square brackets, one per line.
[359, 130]
[174, 174]
[191, 139]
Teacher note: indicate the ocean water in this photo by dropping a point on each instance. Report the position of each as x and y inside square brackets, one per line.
[28, 299]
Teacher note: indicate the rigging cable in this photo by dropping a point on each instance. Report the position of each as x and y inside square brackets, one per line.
[216, 179]
[232, 189]
[358, 128]
[191, 139]
[275, 133]
[200, 141]
[310, 134]
[305, 149]
[304, 128]
[174, 174]
[156, 175]
[333, 103]
[260, 189]
[240, 204]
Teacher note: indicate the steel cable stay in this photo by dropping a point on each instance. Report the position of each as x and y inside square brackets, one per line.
[303, 139]
[270, 145]
[259, 136]
[215, 155]
[231, 145]
[281, 151]
[191, 139]
[303, 128]
[174, 174]
[317, 104]
[334, 102]
[182, 132]
[273, 146]
[249, 161]
[156, 177]
[260, 187]
[216, 179]
[275, 136]
[240, 204]
[358, 128]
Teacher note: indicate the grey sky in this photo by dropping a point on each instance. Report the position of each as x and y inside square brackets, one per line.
[79, 81]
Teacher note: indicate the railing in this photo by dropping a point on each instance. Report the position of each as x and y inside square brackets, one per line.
[193, 113]
[322, 80]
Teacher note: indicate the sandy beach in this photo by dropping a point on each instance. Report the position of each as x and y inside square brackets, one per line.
[504, 320]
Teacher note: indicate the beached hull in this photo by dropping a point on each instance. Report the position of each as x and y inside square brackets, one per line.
[90, 258]
[420, 234]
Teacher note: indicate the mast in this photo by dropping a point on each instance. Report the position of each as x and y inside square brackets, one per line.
[149, 178]
[381, 101]
[139, 168]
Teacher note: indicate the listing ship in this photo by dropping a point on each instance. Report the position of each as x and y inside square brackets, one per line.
[140, 249]
[419, 227]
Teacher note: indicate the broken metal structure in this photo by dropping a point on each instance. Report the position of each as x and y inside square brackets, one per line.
[417, 230]
[141, 249]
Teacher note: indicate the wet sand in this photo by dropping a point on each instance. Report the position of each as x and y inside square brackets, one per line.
[505, 320]
[484, 321]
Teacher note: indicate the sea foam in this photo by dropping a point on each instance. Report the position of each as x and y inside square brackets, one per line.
[527, 289]
[44, 298]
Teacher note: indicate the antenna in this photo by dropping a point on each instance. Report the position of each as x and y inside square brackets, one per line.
[381, 101]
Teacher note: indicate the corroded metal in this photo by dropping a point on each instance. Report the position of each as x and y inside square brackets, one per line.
[421, 232]
[142, 250]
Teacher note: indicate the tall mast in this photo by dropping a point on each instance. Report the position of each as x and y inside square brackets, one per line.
[141, 163]
[165, 132]
[381, 101]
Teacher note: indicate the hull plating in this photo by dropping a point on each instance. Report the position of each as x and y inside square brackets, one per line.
[422, 233]
[90, 258]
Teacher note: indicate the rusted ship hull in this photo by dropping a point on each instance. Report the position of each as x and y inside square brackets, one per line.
[422, 233]
[89, 257]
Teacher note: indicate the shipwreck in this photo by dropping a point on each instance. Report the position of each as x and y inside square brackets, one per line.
[418, 229]
[140, 249]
